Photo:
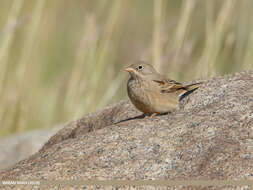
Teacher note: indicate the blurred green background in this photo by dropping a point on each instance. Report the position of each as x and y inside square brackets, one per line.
[60, 59]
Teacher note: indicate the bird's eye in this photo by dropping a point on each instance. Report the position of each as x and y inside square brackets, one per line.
[140, 67]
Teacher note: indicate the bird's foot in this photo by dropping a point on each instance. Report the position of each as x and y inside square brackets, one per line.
[150, 116]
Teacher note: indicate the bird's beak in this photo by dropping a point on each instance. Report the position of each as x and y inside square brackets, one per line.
[129, 69]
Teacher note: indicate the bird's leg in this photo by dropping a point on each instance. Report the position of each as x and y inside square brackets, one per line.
[148, 115]
[153, 115]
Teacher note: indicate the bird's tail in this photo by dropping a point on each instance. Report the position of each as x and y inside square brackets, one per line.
[189, 89]
[193, 86]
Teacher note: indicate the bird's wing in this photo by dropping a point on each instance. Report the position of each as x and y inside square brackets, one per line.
[168, 86]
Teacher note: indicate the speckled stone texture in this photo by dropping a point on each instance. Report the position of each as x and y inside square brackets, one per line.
[209, 137]
[17, 147]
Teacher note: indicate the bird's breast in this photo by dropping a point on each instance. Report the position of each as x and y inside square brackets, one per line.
[147, 97]
[135, 90]
[138, 96]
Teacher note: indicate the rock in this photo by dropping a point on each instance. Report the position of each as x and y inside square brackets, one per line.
[209, 137]
[18, 147]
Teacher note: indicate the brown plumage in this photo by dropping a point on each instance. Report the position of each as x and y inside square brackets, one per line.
[151, 92]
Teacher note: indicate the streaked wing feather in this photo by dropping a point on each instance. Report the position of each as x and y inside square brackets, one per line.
[168, 86]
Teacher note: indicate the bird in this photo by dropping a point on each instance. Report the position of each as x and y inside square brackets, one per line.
[153, 93]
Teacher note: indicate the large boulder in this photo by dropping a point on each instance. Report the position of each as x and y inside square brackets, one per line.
[210, 136]
[18, 147]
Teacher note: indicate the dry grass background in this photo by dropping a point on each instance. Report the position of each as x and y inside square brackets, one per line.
[61, 59]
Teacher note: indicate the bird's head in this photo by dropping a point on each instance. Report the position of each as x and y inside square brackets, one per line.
[140, 70]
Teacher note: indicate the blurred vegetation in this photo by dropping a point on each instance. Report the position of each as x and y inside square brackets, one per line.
[61, 59]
